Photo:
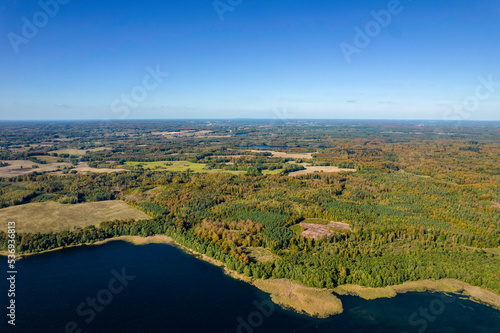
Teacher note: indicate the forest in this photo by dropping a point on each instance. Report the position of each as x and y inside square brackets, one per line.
[423, 200]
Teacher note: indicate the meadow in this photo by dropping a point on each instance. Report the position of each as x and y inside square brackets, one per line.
[45, 217]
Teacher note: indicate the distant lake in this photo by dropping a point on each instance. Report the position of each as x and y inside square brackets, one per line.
[174, 292]
[241, 134]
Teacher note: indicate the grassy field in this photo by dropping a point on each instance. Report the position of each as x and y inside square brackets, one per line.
[48, 159]
[316, 221]
[179, 166]
[52, 216]
[76, 152]
[22, 167]
[297, 229]
[285, 155]
[84, 167]
[260, 254]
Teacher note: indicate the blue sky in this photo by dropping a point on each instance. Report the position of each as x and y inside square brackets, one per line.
[265, 59]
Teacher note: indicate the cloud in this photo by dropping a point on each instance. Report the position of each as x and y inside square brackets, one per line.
[385, 102]
[351, 101]
[66, 106]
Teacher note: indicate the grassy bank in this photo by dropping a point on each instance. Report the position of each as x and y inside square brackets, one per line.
[446, 285]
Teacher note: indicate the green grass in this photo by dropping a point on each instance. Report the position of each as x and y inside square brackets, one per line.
[169, 165]
[316, 221]
[271, 172]
[180, 166]
[49, 159]
[298, 229]
[260, 254]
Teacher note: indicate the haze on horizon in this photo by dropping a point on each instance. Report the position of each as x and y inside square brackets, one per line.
[68, 60]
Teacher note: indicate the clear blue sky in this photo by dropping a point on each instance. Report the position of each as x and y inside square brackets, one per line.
[266, 59]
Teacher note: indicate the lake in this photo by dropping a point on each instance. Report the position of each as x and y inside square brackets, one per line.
[120, 287]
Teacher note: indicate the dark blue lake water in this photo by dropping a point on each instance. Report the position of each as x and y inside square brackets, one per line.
[119, 287]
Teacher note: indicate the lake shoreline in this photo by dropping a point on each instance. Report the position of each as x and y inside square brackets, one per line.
[314, 302]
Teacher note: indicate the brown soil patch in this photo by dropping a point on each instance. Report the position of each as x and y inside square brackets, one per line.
[312, 169]
[313, 230]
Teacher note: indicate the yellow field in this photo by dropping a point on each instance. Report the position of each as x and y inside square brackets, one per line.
[313, 169]
[77, 152]
[52, 216]
[22, 167]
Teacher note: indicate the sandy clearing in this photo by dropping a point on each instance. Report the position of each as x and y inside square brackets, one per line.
[313, 230]
[312, 169]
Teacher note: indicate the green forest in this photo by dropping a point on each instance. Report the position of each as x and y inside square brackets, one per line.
[423, 201]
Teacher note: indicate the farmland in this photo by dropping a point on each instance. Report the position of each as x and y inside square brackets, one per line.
[54, 217]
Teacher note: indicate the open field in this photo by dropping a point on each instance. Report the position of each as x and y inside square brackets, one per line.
[77, 152]
[23, 167]
[179, 166]
[285, 155]
[49, 159]
[316, 221]
[318, 228]
[52, 216]
[260, 254]
[312, 169]
[84, 167]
